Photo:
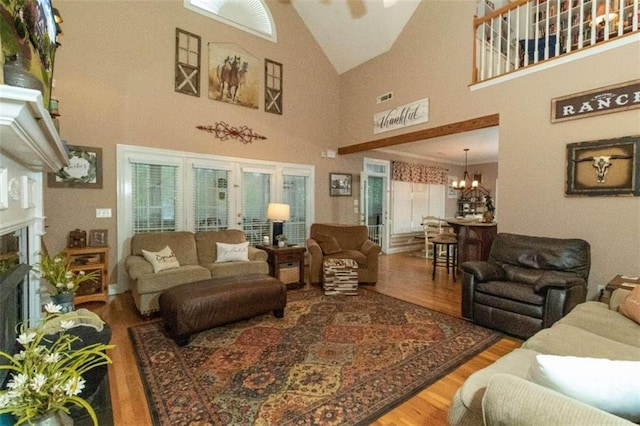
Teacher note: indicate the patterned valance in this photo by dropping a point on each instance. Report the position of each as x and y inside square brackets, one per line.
[418, 173]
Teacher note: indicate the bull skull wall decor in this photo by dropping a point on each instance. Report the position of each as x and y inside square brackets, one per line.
[602, 163]
[604, 167]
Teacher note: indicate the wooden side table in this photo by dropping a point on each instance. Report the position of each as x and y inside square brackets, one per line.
[619, 281]
[90, 259]
[286, 264]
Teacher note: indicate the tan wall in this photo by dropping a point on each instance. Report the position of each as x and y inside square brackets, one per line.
[114, 77]
[432, 58]
[115, 81]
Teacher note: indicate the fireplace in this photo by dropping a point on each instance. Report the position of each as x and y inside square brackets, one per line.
[29, 147]
[14, 280]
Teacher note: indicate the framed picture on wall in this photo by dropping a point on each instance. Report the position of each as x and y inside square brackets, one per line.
[340, 184]
[604, 167]
[98, 238]
[84, 171]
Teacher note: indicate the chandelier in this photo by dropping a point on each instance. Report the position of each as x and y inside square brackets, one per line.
[466, 181]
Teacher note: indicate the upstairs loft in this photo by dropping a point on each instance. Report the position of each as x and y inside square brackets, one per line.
[525, 33]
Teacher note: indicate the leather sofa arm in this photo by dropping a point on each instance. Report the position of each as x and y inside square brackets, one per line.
[484, 271]
[557, 279]
[137, 266]
[511, 400]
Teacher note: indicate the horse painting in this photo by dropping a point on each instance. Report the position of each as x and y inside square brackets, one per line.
[232, 75]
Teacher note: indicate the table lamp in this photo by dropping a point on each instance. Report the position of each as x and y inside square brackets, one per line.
[277, 213]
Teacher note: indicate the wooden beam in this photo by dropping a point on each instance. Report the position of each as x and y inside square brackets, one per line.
[447, 129]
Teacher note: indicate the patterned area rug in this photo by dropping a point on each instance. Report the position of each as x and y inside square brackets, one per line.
[332, 360]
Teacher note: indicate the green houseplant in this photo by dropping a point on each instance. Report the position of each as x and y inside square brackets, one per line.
[58, 279]
[46, 374]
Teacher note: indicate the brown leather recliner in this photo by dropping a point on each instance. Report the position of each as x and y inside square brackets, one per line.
[333, 241]
[527, 284]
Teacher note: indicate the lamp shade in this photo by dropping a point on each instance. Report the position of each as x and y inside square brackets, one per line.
[278, 212]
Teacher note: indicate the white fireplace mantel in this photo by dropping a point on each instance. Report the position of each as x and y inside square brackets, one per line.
[29, 147]
[27, 132]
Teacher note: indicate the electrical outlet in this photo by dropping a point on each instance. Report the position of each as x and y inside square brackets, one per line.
[103, 213]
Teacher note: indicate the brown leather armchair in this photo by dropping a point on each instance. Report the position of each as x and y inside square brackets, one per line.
[527, 284]
[342, 242]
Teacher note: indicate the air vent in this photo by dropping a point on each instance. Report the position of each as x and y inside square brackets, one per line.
[384, 98]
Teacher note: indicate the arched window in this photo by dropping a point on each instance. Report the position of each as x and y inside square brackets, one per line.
[251, 16]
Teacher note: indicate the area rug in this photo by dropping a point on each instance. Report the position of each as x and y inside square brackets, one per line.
[332, 360]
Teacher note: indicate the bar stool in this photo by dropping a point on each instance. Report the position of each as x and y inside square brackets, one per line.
[450, 245]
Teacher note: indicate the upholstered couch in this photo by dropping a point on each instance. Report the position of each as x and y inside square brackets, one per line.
[510, 391]
[331, 241]
[196, 255]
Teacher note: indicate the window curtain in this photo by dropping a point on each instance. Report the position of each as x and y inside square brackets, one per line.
[418, 173]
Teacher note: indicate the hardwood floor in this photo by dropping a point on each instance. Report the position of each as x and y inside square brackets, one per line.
[401, 275]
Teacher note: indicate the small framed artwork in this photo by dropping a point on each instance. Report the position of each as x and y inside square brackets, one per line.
[604, 167]
[84, 171]
[98, 238]
[340, 184]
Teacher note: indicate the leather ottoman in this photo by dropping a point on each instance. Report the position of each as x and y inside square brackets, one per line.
[200, 305]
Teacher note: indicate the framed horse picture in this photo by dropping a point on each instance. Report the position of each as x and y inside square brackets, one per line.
[234, 75]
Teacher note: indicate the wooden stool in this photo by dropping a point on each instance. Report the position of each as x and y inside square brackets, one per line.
[450, 243]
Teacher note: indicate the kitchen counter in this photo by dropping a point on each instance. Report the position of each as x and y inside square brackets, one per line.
[474, 238]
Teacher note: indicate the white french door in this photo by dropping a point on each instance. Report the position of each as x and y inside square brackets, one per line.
[374, 200]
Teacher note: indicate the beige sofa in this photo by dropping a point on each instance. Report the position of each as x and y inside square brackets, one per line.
[196, 253]
[502, 394]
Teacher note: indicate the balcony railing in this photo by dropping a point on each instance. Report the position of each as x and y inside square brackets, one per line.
[527, 32]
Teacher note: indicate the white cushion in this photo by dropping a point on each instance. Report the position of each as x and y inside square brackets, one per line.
[161, 260]
[232, 252]
[612, 386]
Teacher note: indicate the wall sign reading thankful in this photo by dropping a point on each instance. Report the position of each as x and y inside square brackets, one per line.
[403, 116]
[616, 98]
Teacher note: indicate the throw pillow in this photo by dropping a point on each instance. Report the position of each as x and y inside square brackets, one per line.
[328, 244]
[630, 306]
[232, 252]
[612, 386]
[161, 260]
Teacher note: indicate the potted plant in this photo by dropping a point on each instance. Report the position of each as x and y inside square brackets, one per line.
[46, 374]
[59, 281]
[282, 240]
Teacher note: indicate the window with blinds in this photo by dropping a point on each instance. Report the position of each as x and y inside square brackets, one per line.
[256, 195]
[210, 199]
[154, 195]
[294, 193]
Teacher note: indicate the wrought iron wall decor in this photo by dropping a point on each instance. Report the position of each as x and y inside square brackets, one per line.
[223, 131]
[187, 63]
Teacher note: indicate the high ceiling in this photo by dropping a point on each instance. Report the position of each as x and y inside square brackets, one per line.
[351, 32]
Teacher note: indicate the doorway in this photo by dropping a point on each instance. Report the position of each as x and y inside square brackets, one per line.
[374, 200]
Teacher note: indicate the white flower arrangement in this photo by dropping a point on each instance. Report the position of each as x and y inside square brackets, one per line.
[58, 276]
[46, 375]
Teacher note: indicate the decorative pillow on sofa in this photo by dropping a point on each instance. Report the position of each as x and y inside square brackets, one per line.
[630, 306]
[232, 252]
[161, 260]
[328, 244]
[612, 386]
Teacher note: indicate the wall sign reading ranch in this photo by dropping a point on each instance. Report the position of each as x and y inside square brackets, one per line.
[403, 116]
[619, 97]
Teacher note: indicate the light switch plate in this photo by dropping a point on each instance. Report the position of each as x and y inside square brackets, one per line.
[103, 213]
